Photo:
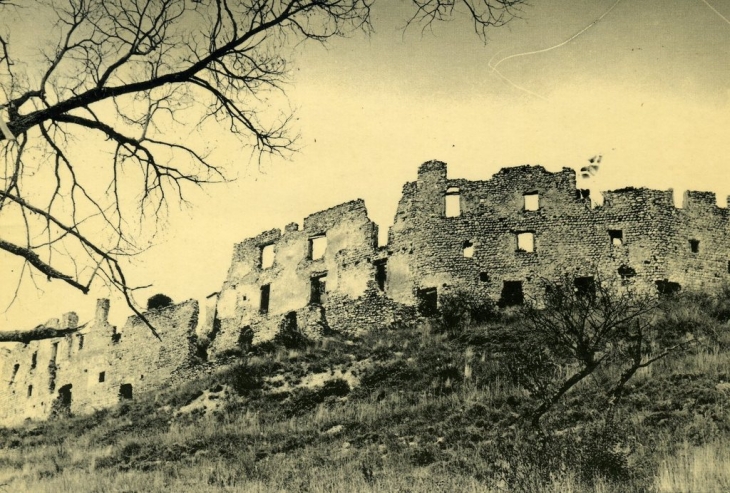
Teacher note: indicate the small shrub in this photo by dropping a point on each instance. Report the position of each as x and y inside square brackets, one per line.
[158, 301]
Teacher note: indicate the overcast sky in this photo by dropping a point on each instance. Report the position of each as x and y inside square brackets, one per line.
[648, 87]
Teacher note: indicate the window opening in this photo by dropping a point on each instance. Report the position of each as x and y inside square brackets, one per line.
[264, 302]
[532, 201]
[511, 294]
[34, 360]
[381, 273]
[667, 288]
[30, 390]
[125, 391]
[427, 302]
[62, 405]
[102, 376]
[626, 272]
[452, 202]
[694, 245]
[266, 259]
[526, 242]
[318, 291]
[616, 236]
[483, 277]
[585, 286]
[468, 249]
[317, 247]
[16, 367]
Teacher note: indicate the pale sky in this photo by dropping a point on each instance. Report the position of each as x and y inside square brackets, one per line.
[648, 87]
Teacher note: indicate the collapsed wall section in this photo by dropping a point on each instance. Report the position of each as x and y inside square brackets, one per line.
[97, 366]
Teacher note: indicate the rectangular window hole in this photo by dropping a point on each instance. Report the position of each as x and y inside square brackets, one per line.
[34, 360]
[694, 246]
[102, 376]
[616, 236]
[30, 390]
[511, 294]
[264, 300]
[532, 201]
[585, 286]
[526, 242]
[317, 247]
[381, 273]
[266, 259]
[318, 289]
[468, 249]
[452, 202]
[427, 302]
[125, 391]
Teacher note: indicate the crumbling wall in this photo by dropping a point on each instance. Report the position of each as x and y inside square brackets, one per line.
[87, 370]
[257, 296]
[636, 232]
[496, 239]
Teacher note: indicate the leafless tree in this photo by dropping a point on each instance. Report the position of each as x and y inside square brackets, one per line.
[587, 326]
[94, 144]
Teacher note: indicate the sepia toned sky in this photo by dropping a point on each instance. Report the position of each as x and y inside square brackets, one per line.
[648, 87]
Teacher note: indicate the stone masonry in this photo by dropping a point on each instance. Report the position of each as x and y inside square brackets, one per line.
[492, 239]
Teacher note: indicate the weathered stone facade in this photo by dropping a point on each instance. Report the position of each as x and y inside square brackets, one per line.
[637, 233]
[97, 366]
[493, 239]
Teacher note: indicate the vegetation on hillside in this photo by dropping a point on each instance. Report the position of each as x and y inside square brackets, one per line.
[437, 405]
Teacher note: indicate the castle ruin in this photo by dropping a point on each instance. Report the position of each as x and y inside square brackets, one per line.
[492, 239]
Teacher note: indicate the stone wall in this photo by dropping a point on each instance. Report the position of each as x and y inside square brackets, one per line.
[97, 366]
[485, 238]
[636, 230]
[343, 267]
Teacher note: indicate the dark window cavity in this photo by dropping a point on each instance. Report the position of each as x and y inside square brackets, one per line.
[694, 246]
[102, 377]
[667, 288]
[626, 272]
[125, 391]
[585, 286]
[381, 273]
[318, 289]
[483, 277]
[511, 294]
[16, 367]
[427, 302]
[30, 390]
[34, 360]
[264, 302]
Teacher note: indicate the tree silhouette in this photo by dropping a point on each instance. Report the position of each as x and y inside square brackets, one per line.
[94, 145]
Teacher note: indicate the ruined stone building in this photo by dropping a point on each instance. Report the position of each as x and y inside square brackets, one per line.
[492, 239]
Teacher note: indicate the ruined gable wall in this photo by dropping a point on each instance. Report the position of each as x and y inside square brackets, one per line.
[131, 355]
[351, 243]
[426, 248]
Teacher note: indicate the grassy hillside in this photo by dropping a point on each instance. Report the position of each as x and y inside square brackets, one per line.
[434, 406]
